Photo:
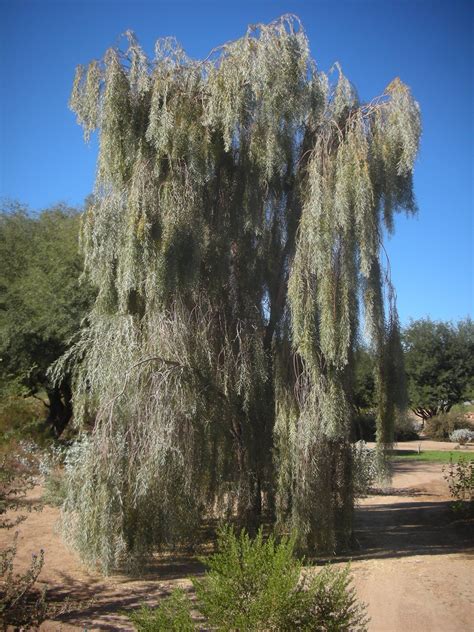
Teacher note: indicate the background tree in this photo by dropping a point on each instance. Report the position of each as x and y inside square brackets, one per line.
[439, 358]
[364, 382]
[41, 302]
[239, 212]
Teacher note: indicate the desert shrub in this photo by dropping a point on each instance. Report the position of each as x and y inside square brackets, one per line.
[460, 479]
[462, 436]
[331, 603]
[18, 471]
[21, 603]
[172, 615]
[441, 426]
[258, 585]
[405, 428]
[250, 584]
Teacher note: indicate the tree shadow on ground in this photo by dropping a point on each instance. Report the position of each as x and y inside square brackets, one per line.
[104, 606]
[411, 528]
[105, 602]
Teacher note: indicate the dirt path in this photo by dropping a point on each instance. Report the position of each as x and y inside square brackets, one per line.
[414, 566]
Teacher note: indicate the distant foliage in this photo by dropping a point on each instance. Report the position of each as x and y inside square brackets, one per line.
[20, 417]
[462, 436]
[439, 358]
[234, 238]
[440, 427]
[42, 304]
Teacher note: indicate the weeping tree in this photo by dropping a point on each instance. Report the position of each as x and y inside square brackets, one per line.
[235, 240]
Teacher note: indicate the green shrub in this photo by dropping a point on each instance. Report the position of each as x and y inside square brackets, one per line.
[460, 479]
[172, 615]
[254, 585]
[441, 426]
[331, 603]
[250, 584]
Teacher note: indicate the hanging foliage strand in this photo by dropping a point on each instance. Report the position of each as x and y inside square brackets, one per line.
[235, 241]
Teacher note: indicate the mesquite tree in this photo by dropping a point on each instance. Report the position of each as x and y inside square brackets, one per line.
[235, 241]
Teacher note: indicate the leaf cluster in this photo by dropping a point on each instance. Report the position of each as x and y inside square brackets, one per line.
[41, 300]
[439, 363]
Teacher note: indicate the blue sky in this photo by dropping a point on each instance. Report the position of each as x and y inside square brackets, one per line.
[428, 44]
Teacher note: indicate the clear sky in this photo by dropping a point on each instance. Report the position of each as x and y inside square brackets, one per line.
[427, 43]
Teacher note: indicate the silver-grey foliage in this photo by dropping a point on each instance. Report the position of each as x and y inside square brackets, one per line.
[236, 232]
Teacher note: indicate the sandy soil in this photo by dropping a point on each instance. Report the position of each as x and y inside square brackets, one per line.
[414, 565]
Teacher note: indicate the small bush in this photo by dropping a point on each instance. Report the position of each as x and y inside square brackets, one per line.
[254, 585]
[460, 479]
[441, 426]
[18, 471]
[405, 428]
[331, 603]
[172, 615]
[462, 436]
[21, 603]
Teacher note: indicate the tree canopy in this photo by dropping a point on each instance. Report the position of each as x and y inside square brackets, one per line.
[235, 236]
[439, 358]
[41, 300]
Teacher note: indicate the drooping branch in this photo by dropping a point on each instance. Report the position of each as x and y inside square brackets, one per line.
[236, 232]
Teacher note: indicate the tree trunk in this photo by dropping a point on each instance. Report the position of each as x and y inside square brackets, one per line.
[60, 407]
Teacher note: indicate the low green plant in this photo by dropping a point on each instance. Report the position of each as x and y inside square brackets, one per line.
[259, 585]
[172, 615]
[460, 479]
[331, 604]
[250, 584]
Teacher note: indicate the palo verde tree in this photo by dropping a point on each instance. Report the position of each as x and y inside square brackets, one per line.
[240, 206]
